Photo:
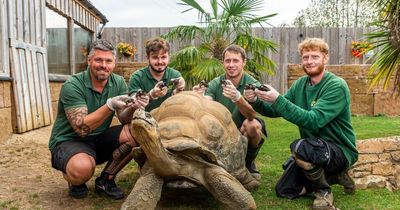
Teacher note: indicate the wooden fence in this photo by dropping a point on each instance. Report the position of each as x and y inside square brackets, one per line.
[339, 40]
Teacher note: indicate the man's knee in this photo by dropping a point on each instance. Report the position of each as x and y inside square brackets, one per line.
[303, 164]
[252, 130]
[126, 136]
[80, 168]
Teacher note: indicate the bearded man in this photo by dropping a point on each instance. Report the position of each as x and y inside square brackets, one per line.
[319, 104]
[157, 79]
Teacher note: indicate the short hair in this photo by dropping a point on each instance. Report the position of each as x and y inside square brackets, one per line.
[104, 45]
[156, 44]
[235, 48]
[313, 44]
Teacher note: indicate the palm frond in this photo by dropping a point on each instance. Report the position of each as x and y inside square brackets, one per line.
[256, 69]
[242, 7]
[184, 33]
[214, 7]
[186, 58]
[208, 69]
[229, 21]
[386, 64]
[192, 4]
[257, 48]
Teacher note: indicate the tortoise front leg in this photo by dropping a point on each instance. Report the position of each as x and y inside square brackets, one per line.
[227, 189]
[147, 191]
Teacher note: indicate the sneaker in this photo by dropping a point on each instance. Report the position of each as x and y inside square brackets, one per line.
[109, 188]
[77, 191]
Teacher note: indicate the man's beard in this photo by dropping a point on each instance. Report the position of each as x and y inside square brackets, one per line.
[157, 70]
[314, 73]
[100, 77]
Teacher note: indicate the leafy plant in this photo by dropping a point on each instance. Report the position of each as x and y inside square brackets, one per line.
[126, 49]
[385, 66]
[228, 22]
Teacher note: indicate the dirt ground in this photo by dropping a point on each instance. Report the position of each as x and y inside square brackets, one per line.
[27, 180]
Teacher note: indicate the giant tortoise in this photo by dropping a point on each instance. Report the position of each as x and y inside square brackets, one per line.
[194, 139]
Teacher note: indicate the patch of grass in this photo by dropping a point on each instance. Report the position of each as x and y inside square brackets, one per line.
[269, 161]
[5, 204]
[9, 205]
[276, 150]
[373, 127]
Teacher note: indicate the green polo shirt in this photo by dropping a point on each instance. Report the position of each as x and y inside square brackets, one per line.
[142, 79]
[321, 110]
[76, 92]
[214, 90]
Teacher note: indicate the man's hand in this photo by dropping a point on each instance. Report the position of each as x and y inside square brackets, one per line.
[230, 91]
[269, 96]
[200, 88]
[159, 90]
[180, 86]
[140, 101]
[250, 95]
[118, 102]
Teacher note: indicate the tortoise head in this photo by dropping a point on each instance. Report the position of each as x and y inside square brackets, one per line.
[144, 127]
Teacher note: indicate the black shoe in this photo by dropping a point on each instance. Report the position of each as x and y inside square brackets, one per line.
[109, 188]
[77, 191]
[344, 179]
[253, 171]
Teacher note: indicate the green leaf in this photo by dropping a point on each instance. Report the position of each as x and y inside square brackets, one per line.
[228, 22]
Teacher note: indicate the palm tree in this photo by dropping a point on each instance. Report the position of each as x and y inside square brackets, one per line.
[387, 38]
[228, 22]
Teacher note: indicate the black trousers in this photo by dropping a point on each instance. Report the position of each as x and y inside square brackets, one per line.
[313, 150]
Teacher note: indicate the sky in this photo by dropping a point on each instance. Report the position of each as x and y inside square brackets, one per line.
[167, 13]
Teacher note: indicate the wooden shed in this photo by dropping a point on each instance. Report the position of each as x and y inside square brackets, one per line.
[42, 43]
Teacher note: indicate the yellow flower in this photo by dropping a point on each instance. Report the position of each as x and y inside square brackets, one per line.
[126, 49]
[361, 47]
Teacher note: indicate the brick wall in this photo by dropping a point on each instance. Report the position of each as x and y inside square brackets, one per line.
[363, 101]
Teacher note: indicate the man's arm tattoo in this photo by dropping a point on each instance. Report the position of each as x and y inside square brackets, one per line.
[76, 117]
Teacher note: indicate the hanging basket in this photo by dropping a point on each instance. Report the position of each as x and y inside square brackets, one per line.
[126, 49]
[360, 48]
[356, 53]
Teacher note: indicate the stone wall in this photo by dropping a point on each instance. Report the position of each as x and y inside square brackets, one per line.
[378, 165]
[55, 88]
[363, 101]
[126, 69]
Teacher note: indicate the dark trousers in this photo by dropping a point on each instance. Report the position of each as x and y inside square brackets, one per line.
[317, 151]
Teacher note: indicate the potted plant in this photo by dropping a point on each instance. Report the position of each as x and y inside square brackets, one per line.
[126, 49]
[360, 48]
